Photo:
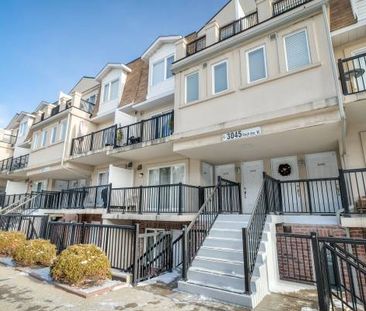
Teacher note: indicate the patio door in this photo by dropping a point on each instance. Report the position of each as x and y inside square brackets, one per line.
[165, 196]
[287, 169]
[324, 194]
[226, 171]
[252, 179]
[101, 192]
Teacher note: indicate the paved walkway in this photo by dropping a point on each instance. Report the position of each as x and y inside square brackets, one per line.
[19, 292]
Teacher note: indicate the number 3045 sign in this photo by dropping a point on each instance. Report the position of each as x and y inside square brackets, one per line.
[242, 134]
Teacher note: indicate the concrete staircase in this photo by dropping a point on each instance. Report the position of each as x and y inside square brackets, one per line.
[218, 270]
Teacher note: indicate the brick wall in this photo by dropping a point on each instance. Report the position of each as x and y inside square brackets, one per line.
[341, 14]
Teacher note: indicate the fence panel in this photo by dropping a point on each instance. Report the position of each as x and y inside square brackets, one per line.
[34, 227]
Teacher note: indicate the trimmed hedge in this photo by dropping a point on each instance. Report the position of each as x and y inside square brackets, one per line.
[10, 241]
[81, 265]
[35, 252]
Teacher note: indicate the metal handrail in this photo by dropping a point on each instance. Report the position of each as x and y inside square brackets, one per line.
[6, 210]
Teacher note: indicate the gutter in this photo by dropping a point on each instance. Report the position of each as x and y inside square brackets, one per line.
[338, 89]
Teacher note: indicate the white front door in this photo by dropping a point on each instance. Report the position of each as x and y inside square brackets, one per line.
[285, 169]
[324, 194]
[252, 179]
[207, 174]
[226, 171]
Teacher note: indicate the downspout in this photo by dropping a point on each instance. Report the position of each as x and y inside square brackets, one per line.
[338, 90]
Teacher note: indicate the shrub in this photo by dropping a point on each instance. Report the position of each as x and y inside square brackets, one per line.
[10, 241]
[35, 252]
[81, 265]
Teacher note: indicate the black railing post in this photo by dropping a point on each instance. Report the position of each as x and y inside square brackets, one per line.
[342, 77]
[180, 198]
[184, 253]
[109, 198]
[158, 207]
[72, 146]
[343, 191]
[320, 284]
[280, 203]
[140, 200]
[136, 255]
[91, 141]
[240, 199]
[246, 261]
[219, 193]
[309, 197]
[115, 136]
[201, 197]
[142, 130]
[265, 185]
[128, 135]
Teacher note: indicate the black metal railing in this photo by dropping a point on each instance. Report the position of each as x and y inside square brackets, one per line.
[218, 201]
[252, 234]
[336, 265]
[146, 130]
[34, 226]
[352, 71]
[196, 46]
[117, 242]
[283, 6]
[172, 198]
[5, 164]
[238, 26]
[354, 183]
[177, 252]
[19, 163]
[87, 106]
[95, 141]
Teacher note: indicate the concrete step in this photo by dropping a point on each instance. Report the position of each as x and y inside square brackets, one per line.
[226, 233]
[233, 217]
[224, 224]
[219, 253]
[223, 243]
[225, 267]
[217, 294]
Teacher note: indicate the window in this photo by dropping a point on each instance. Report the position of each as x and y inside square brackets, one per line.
[106, 92]
[192, 87]
[169, 63]
[220, 77]
[111, 90]
[256, 61]
[91, 99]
[63, 130]
[114, 89]
[297, 50]
[35, 140]
[166, 175]
[53, 135]
[44, 138]
[162, 70]
[22, 128]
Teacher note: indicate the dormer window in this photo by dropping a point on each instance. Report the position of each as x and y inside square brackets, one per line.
[111, 90]
[23, 128]
[162, 70]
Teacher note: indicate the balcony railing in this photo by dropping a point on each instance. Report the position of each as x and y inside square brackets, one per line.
[238, 26]
[196, 45]
[146, 130]
[352, 73]
[5, 164]
[19, 163]
[283, 6]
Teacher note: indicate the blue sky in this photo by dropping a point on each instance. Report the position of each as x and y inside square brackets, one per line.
[47, 45]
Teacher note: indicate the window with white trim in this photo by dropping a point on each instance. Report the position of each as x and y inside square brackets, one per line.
[63, 130]
[192, 87]
[297, 50]
[22, 128]
[162, 70]
[256, 60]
[111, 90]
[44, 138]
[35, 140]
[53, 134]
[220, 77]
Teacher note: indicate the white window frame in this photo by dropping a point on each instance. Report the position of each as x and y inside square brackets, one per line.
[109, 90]
[307, 44]
[186, 84]
[165, 60]
[63, 128]
[36, 140]
[248, 64]
[44, 138]
[213, 76]
[53, 137]
[22, 128]
[168, 165]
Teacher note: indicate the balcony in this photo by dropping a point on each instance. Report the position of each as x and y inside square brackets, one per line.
[116, 137]
[19, 163]
[196, 46]
[352, 73]
[5, 164]
[8, 139]
[238, 26]
[283, 6]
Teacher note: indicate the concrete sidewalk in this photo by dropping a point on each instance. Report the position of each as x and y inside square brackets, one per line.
[21, 293]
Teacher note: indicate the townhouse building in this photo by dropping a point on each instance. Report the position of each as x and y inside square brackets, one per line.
[262, 110]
